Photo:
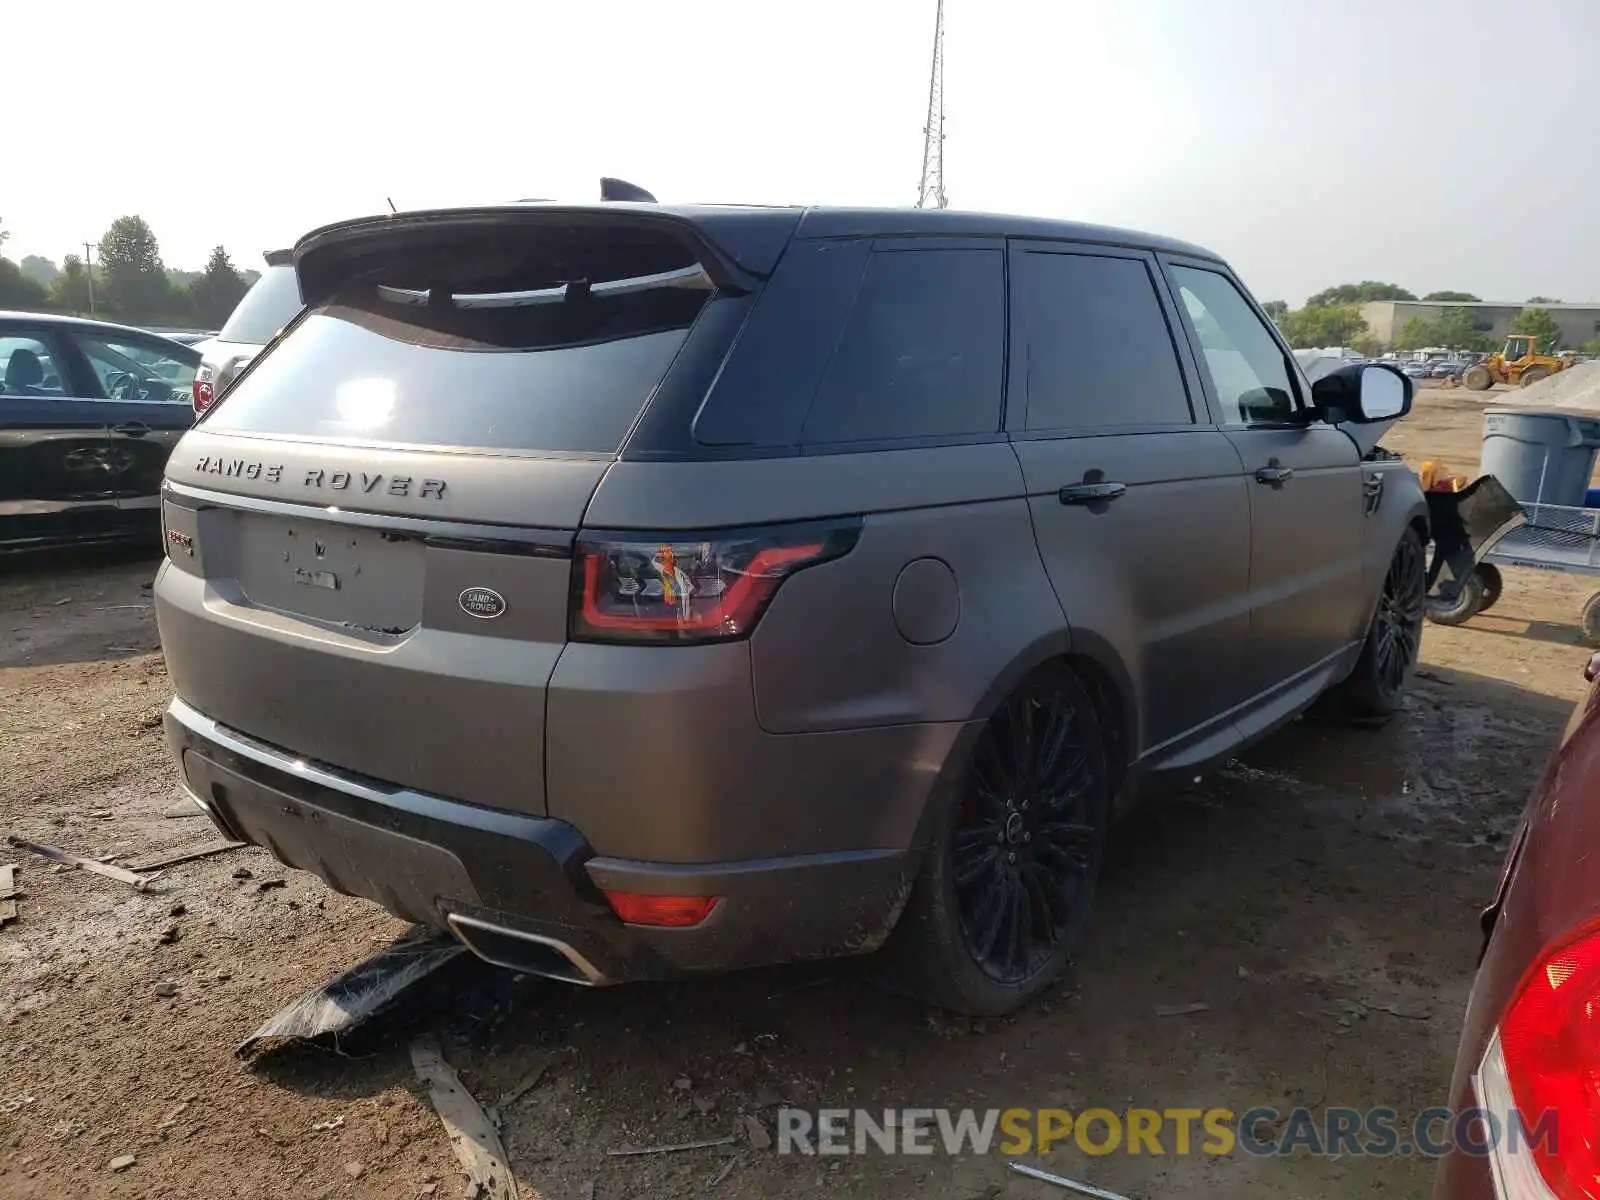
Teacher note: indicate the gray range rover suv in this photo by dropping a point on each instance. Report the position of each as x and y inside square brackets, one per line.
[639, 590]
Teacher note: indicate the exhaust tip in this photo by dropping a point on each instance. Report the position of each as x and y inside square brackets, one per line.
[530, 953]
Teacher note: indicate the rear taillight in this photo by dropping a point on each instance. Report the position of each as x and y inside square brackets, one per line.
[675, 588]
[1542, 1071]
[666, 912]
[204, 388]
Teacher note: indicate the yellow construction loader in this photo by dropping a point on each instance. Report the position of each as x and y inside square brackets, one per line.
[1519, 364]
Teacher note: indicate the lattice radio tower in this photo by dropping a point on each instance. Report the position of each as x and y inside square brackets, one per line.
[931, 193]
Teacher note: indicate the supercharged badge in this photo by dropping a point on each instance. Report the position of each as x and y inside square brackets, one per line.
[482, 602]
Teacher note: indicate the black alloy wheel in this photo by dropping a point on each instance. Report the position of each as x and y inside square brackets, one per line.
[1397, 628]
[1029, 834]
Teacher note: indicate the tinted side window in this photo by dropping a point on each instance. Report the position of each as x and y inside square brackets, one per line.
[129, 370]
[1248, 371]
[921, 353]
[1097, 350]
[765, 388]
[31, 367]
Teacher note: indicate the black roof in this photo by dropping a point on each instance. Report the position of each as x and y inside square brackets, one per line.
[754, 235]
[830, 222]
[914, 222]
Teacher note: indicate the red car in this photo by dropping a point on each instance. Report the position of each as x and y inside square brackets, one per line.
[1530, 1046]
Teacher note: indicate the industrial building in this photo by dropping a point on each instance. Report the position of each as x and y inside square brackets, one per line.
[1579, 323]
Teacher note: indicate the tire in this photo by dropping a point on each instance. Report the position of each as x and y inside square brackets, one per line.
[1590, 620]
[1006, 888]
[1374, 690]
[1532, 376]
[1492, 585]
[1471, 599]
[1477, 378]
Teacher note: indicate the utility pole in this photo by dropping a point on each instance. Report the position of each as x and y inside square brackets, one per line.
[930, 193]
[88, 270]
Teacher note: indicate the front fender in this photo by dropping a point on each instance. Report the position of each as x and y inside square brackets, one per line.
[1394, 502]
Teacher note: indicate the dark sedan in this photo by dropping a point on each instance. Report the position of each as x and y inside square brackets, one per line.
[88, 414]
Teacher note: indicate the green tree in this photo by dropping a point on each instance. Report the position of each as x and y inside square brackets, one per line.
[1417, 333]
[1358, 293]
[1277, 310]
[130, 261]
[70, 291]
[18, 291]
[1539, 323]
[1458, 297]
[1543, 300]
[1592, 346]
[218, 289]
[1458, 329]
[1367, 344]
[1323, 325]
[41, 270]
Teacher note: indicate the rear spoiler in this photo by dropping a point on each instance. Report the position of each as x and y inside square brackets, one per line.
[327, 258]
[279, 258]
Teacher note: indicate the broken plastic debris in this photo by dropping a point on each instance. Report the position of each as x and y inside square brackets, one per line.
[353, 996]
[1182, 1010]
[467, 1126]
[1061, 1181]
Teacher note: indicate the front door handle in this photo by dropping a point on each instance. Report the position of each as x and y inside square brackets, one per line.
[1091, 493]
[132, 428]
[1273, 475]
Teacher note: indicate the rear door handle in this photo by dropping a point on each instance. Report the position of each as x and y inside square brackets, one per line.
[132, 428]
[1274, 475]
[1091, 493]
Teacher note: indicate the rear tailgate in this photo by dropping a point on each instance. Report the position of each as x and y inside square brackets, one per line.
[371, 534]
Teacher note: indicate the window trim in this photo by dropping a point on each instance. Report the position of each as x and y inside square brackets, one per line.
[1015, 415]
[1298, 383]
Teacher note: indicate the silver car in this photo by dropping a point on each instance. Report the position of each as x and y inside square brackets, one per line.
[270, 304]
[639, 590]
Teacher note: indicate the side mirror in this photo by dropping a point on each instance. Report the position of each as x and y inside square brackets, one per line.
[1362, 394]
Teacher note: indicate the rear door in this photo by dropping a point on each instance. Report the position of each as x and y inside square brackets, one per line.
[1306, 501]
[1138, 502]
[56, 467]
[145, 385]
[375, 524]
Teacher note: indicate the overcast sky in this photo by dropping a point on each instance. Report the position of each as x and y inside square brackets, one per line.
[1435, 143]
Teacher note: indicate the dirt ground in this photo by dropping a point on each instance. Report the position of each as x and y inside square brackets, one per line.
[1318, 896]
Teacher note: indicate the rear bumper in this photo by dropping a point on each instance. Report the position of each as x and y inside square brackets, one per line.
[525, 891]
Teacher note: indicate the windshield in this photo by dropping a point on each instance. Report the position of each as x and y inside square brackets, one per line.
[269, 305]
